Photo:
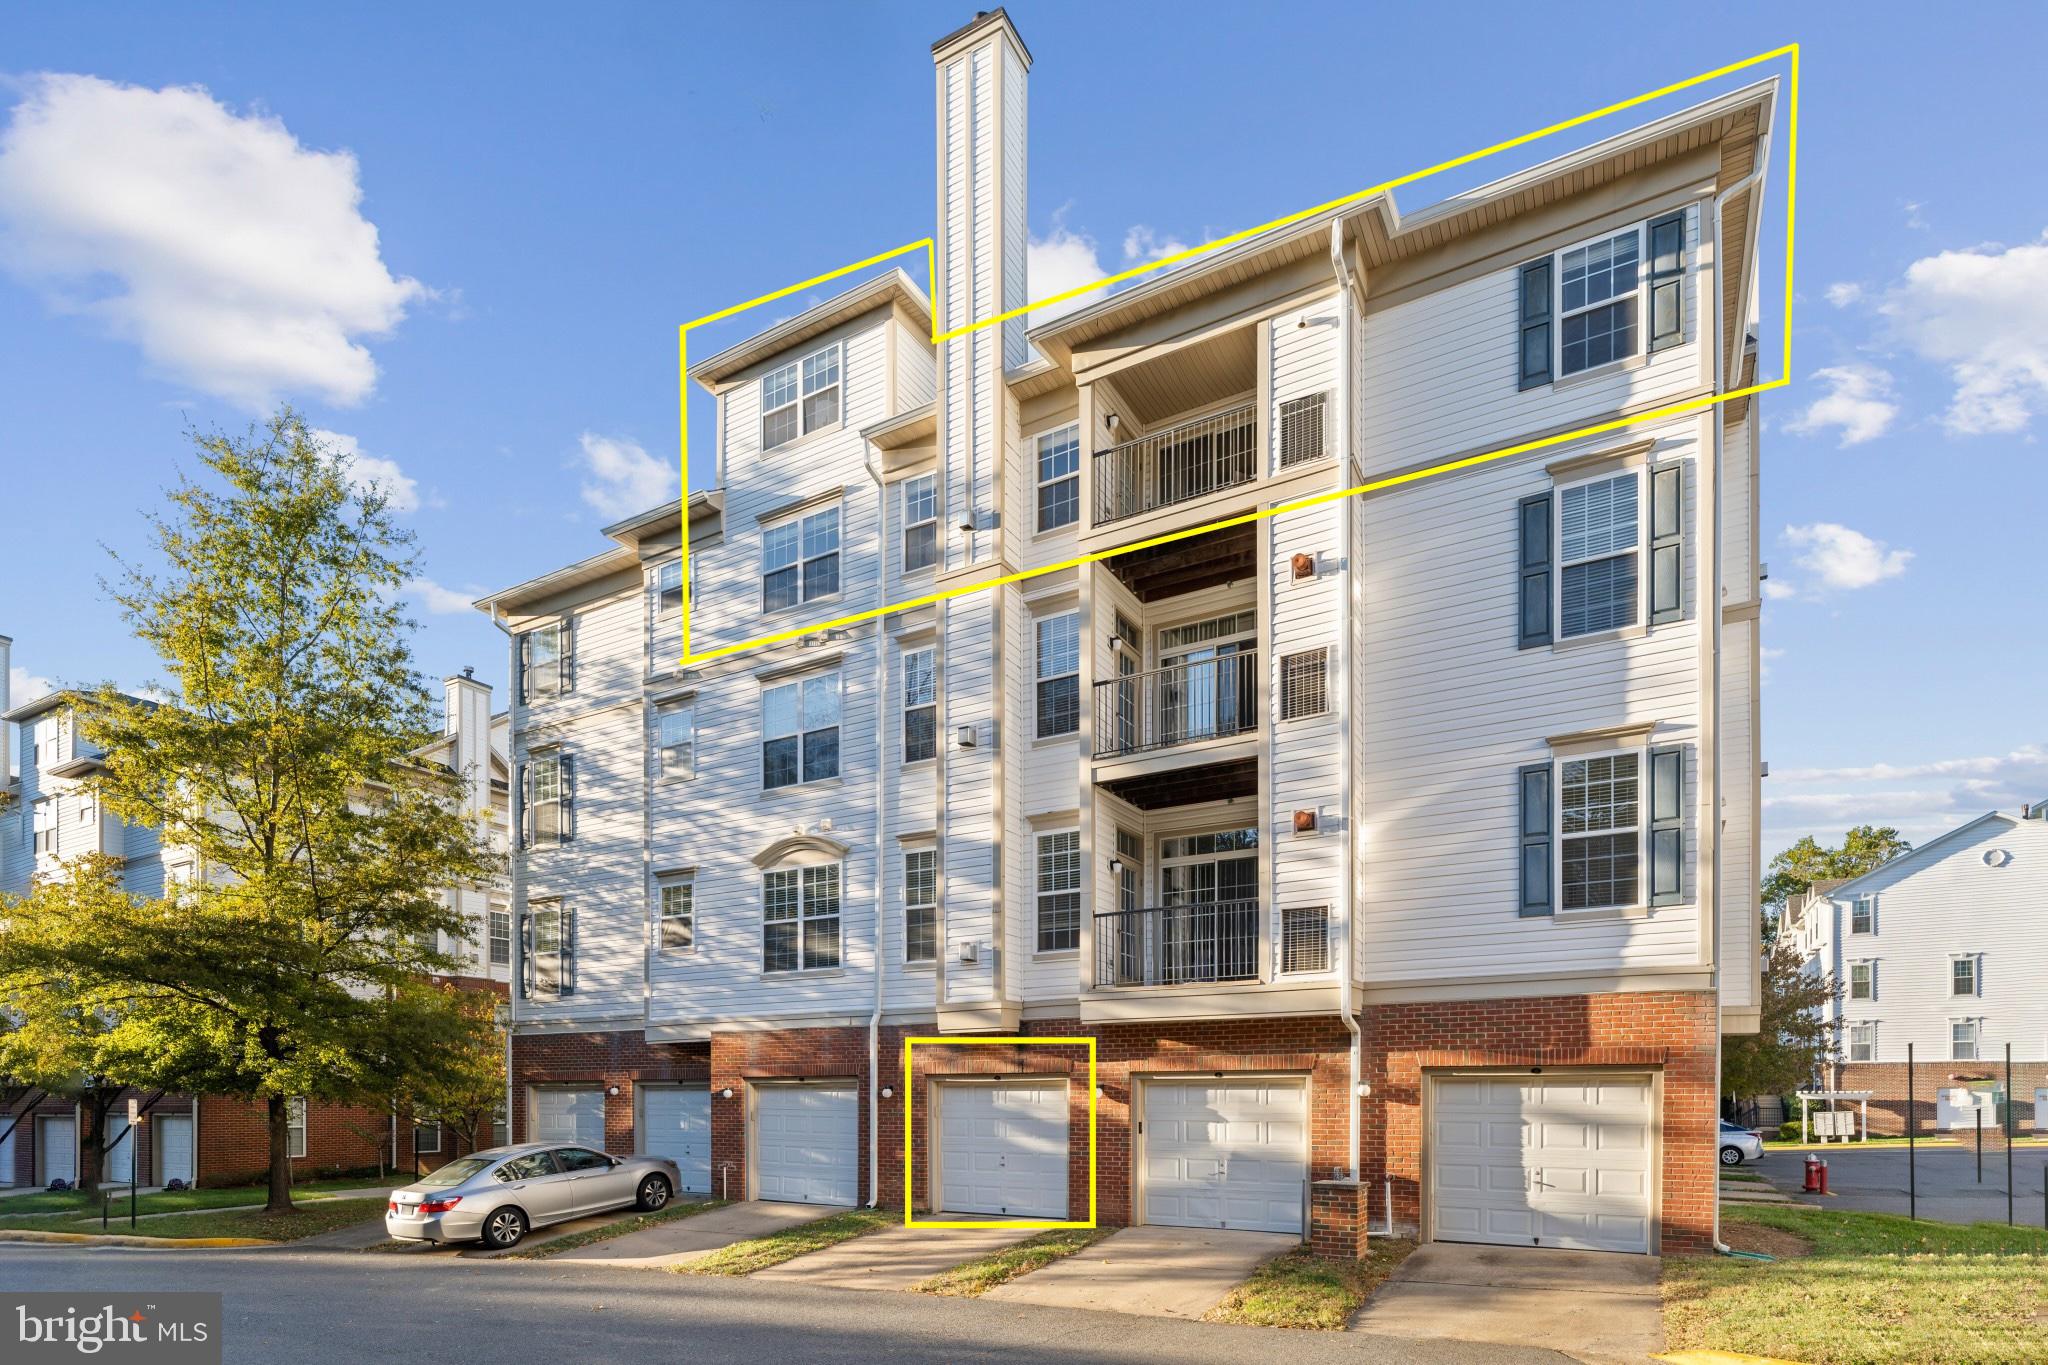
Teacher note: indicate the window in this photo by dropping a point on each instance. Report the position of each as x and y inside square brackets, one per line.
[1130, 852]
[295, 1126]
[1059, 478]
[426, 1139]
[1600, 829]
[920, 705]
[1597, 547]
[550, 949]
[1862, 1042]
[45, 826]
[1059, 674]
[1860, 915]
[1962, 976]
[1597, 302]
[800, 560]
[500, 936]
[1301, 430]
[1059, 891]
[800, 919]
[800, 397]
[572, 1159]
[668, 589]
[549, 800]
[501, 1128]
[543, 651]
[532, 1166]
[677, 927]
[800, 731]
[1593, 293]
[920, 522]
[921, 905]
[675, 738]
[1303, 688]
[1862, 981]
[1305, 939]
[1962, 1040]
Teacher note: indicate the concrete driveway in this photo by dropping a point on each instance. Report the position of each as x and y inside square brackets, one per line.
[1156, 1272]
[1874, 1180]
[895, 1258]
[1589, 1305]
[682, 1240]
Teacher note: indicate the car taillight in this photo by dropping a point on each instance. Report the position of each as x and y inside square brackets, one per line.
[392, 1206]
[440, 1205]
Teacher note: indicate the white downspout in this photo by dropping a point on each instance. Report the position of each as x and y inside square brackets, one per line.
[1711, 595]
[1345, 663]
[881, 767]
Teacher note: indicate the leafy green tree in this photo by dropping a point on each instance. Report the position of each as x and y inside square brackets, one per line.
[294, 962]
[1795, 1038]
[466, 1094]
[1797, 868]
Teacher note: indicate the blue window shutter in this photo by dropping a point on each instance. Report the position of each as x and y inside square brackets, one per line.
[525, 955]
[1532, 574]
[1532, 330]
[522, 801]
[568, 808]
[524, 657]
[1667, 543]
[1667, 826]
[1532, 797]
[565, 661]
[1667, 281]
[566, 973]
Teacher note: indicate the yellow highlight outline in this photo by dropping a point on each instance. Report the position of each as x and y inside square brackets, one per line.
[927, 245]
[910, 1219]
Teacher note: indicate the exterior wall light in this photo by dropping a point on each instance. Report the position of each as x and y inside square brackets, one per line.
[726, 1093]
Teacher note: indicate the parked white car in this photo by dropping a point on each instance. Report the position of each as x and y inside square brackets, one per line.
[1739, 1145]
[497, 1196]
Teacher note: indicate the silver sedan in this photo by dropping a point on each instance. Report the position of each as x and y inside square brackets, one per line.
[497, 1196]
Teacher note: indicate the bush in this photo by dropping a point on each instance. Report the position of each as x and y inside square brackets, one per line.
[1788, 1131]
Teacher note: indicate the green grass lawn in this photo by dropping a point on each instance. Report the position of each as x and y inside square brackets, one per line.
[1863, 1287]
[985, 1273]
[786, 1244]
[168, 1201]
[320, 1215]
[1305, 1291]
[569, 1241]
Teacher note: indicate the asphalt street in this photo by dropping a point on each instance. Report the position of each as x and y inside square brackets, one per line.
[1874, 1180]
[337, 1306]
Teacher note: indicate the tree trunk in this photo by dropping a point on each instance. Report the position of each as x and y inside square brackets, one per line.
[279, 1114]
[93, 1111]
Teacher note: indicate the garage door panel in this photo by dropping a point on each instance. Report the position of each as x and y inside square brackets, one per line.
[807, 1144]
[1225, 1154]
[1003, 1149]
[675, 1122]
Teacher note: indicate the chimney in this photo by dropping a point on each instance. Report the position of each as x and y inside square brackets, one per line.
[6, 705]
[466, 714]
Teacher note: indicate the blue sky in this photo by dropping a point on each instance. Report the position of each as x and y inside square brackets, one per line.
[461, 240]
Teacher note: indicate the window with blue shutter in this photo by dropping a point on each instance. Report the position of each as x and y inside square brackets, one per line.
[1533, 327]
[1533, 798]
[1667, 545]
[1667, 279]
[1532, 576]
[1667, 826]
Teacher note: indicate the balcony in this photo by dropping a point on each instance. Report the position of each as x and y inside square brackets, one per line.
[1178, 945]
[1211, 698]
[1177, 464]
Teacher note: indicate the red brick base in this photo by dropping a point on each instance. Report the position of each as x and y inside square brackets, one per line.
[603, 1060]
[1887, 1083]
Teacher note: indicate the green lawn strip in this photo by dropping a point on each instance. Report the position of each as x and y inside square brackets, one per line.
[786, 1244]
[1875, 1287]
[542, 1250]
[163, 1201]
[323, 1215]
[1961, 1137]
[1744, 1177]
[1033, 1253]
[1307, 1291]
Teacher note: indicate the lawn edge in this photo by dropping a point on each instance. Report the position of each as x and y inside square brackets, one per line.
[933, 1286]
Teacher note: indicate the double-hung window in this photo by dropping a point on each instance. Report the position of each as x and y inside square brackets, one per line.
[1059, 891]
[1962, 1040]
[921, 905]
[920, 705]
[800, 731]
[1059, 674]
[550, 949]
[675, 903]
[499, 930]
[1581, 308]
[920, 522]
[548, 800]
[544, 653]
[1862, 1042]
[1598, 301]
[800, 397]
[1862, 981]
[800, 919]
[1600, 825]
[1962, 976]
[1059, 478]
[45, 818]
[1597, 547]
[668, 590]
[675, 738]
[800, 560]
[295, 1126]
[1861, 916]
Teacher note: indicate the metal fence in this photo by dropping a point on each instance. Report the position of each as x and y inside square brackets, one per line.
[1205, 699]
[1176, 464]
[1178, 944]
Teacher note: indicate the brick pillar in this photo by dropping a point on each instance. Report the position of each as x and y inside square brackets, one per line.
[1337, 1219]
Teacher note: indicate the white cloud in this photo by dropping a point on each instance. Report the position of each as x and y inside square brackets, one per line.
[624, 478]
[1777, 590]
[1913, 218]
[1858, 403]
[1059, 261]
[1921, 799]
[1141, 243]
[236, 258]
[1843, 558]
[372, 471]
[24, 686]
[1765, 657]
[2031, 759]
[1984, 314]
[1845, 293]
[440, 600]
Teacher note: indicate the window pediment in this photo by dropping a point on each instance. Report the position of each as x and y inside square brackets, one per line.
[790, 847]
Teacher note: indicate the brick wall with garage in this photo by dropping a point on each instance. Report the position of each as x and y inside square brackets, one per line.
[28, 1106]
[1887, 1083]
[1670, 1033]
[602, 1060]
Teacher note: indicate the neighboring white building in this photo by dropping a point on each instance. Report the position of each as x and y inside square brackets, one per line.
[1945, 949]
[1369, 840]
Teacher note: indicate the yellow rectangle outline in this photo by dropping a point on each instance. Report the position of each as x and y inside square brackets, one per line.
[910, 1219]
[926, 245]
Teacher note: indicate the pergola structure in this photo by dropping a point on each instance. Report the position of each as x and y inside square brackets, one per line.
[1861, 1098]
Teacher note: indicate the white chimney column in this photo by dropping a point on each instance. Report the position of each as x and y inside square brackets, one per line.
[466, 714]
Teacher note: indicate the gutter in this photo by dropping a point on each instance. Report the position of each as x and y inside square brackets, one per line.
[881, 686]
[1345, 964]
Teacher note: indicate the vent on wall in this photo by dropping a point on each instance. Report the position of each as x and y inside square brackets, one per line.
[1302, 430]
[1305, 939]
[1304, 684]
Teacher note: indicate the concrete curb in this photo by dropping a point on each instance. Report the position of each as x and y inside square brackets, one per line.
[125, 1240]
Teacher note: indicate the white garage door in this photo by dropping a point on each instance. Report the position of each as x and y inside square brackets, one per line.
[173, 1148]
[6, 1149]
[569, 1116]
[57, 1145]
[1226, 1154]
[1003, 1149]
[1559, 1161]
[675, 1122]
[807, 1144]
[120, 1161]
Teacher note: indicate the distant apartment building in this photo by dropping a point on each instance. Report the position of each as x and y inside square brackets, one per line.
[1943, 950]
[1403, 840]
[49, 817]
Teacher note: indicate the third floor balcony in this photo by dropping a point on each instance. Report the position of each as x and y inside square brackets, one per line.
[1176, 464]
[1210, 697]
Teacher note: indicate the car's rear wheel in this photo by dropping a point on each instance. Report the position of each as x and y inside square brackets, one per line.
[1731, 1156]
[504, 1228]
[653, 1193]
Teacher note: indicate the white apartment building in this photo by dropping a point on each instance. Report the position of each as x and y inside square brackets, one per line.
[1362, 839]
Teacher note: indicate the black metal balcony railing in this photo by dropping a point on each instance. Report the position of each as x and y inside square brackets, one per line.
[1174, 465]
[1178, 944]
[1206, 699]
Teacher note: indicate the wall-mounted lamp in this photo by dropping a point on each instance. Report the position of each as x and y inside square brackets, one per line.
[1363, 1090]
[1112, 421]
[611, 1090]
[726, 1093]
[1098, 1092]
[1116, 867]
[887, 1093]
[1116, 643]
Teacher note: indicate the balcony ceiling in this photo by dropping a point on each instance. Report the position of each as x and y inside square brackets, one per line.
[1188, 786]
[1189, 565]
[1198, 376]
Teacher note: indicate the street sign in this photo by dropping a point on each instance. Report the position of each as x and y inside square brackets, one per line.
[135, 1114]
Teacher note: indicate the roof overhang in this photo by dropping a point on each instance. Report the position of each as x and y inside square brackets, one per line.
[892, 286]
[595, 569]
[704, 506]
[915, 427]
